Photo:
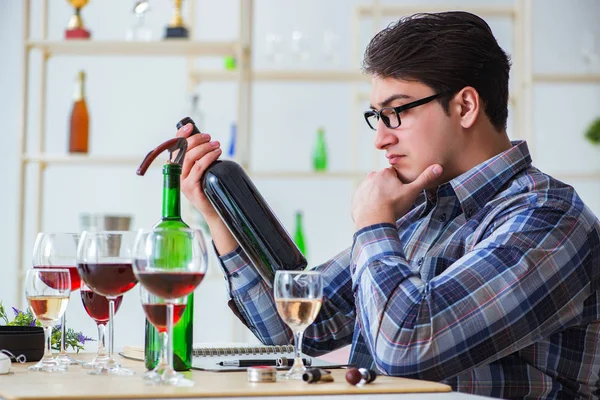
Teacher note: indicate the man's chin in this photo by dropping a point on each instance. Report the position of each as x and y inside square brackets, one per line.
[404, 176]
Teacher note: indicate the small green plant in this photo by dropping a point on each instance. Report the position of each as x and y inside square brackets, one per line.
[76, 340]
[593, 132]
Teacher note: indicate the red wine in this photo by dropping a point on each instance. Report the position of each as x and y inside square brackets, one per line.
[96, 305]
[170, 285]
[75, 278]
[157, 315]
[250, 219]
[110, 279]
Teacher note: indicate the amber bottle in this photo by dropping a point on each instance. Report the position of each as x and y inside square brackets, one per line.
[80, 120]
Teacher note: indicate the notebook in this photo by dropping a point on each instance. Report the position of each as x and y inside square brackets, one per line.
[209, 356]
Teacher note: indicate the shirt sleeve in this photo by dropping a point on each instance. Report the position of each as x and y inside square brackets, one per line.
[254, 304]
[524, 279]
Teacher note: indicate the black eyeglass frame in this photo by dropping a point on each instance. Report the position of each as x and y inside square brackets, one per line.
[398, 110]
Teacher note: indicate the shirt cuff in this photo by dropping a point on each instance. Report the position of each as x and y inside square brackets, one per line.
[373, 243]
[239, 272]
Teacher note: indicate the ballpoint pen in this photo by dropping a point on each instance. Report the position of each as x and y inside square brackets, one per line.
[287, 362]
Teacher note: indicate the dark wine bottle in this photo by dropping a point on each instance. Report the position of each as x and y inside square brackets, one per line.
[250, 219]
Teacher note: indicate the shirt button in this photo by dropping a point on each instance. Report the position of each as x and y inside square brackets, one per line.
[443, 217]
[235, 275]
[420, 262]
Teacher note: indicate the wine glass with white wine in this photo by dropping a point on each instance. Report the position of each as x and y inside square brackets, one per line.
[298, 296]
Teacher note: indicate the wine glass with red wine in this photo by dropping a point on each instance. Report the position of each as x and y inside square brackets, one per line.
[170, 263]
[104, 262]
[155, 309]
[48, 291]
[96, 307]
[59, 250]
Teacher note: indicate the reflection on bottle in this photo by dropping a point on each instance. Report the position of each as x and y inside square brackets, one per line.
[320, 152]
[299, 234]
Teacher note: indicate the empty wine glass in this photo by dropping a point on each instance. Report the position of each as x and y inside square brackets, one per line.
[48, 291]
[170, 264]
[299, 46]
[273, 47]
[96, 307]
[104, 263]
[157, 312]
[59, 250]
[298, 296]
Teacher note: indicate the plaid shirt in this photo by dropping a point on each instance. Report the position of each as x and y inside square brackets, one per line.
[490, 285]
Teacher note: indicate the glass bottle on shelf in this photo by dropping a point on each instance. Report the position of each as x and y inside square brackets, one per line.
[80, 120]
[320, 152]
[299, 233]
[183, 331]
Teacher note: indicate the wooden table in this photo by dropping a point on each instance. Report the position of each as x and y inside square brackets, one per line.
[78, 384]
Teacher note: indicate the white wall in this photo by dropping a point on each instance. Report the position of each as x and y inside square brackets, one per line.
[134, 103]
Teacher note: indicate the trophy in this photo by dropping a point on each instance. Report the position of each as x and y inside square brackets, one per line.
[176, 28]
[75, 28]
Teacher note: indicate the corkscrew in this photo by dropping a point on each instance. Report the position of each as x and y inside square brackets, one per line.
[178, 145]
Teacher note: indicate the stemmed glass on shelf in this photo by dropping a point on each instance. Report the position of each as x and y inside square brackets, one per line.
[59, 250]
[170, 264]
[48, 291]
[104, 262]
[298, 297]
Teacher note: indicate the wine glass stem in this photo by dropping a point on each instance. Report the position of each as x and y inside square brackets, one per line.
[63, 333]
[111, 328]
[169, 341]
[101, 340]
[163, 361]
[48, 341]
[298, 349]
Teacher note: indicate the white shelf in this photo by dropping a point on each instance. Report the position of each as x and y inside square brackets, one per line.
[284, 75]
[575, 176]
[305, 175]
[82, 159]
[123, 48]
[567, 78]
[395, 10]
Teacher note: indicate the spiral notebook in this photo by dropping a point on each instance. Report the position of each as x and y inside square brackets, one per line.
[209, 356]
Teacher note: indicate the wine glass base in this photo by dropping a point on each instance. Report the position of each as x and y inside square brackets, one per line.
[111, 367]
[94, 364]
[164, 376]
[295, 373]
[65, 359]
[48, 367]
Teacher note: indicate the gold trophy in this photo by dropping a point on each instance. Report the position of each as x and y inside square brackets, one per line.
[176, 28]
[75, 29]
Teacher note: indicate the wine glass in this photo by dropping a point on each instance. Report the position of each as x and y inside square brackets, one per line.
[48, 291]
[59, 250]
[298, 296]
[156, 311]
[96, 307]
[104, 262]
[170, 264]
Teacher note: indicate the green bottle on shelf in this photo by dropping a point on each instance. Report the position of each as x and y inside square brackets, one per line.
[320, 152]
[299, 234]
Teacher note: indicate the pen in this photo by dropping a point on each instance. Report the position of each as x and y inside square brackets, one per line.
[256, 362]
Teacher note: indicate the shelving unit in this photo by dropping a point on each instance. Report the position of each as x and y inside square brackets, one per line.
[520, 13]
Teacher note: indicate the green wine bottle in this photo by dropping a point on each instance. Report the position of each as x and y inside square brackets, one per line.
[299, 234]
[183, 331]
[320, 152]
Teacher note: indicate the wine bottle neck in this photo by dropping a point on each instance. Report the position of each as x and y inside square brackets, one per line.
[79, 93]
[171, 202]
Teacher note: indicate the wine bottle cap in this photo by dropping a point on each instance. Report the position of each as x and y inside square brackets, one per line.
[188, 120]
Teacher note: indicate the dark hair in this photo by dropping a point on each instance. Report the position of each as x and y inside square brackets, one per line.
[446, 51]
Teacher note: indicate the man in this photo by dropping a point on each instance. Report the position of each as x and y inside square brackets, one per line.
[469, 265]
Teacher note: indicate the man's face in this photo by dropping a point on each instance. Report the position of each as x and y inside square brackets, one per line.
[426, 135]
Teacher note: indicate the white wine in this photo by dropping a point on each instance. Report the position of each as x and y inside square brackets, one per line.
[298, 313]
[48, 308]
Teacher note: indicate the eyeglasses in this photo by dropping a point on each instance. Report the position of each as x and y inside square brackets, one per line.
[391, 115]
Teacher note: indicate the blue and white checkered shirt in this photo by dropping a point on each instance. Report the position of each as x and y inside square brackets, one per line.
[490, 285]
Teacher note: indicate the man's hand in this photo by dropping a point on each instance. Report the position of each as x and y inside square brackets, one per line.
[382, 197]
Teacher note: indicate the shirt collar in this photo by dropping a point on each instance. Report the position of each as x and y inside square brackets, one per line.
[478, 185]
